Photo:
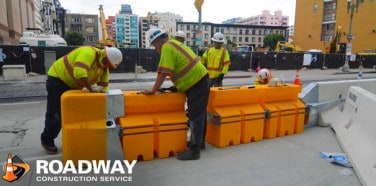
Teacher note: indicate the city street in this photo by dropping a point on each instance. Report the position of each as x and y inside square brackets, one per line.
[288, 160]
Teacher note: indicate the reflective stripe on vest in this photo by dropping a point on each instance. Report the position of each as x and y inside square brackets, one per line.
[185, 70]
[221, 62]
[69, 69]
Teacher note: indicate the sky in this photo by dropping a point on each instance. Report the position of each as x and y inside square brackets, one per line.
[214, 11]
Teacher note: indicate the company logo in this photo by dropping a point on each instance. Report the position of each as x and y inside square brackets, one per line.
[84, 171]
[15, 168]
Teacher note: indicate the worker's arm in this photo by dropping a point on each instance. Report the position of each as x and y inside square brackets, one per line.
[160, 79]
[85, 83]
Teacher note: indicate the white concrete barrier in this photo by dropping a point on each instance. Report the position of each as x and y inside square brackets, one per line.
[14, 72]
[355, 127]
[326, 94]
[331, 90]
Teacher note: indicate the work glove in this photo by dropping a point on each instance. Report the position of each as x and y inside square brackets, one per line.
[96, 88]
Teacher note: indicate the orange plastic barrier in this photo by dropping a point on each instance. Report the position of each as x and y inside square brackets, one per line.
[286, 110]
[153, 125]
[245, 114]
[235, 116]
[83, 125]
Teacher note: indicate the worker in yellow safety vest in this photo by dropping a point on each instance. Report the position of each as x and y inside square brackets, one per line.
[84, 67]
[189, 76]
[217, 60]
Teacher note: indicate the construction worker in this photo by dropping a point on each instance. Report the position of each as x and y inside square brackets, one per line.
[263, 77]
[84, 67]
[217, 60]
[189, 76]
[180, 36]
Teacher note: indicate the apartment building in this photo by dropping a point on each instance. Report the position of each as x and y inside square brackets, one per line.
[85, 24]
[252, 35]
[266, 18]
[319, 23]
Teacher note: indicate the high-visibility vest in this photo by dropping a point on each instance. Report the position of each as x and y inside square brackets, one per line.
[79, 63]
[217, 61]
[180, 63]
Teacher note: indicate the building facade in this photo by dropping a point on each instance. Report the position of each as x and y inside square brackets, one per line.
[85, 24]
[110, 24]
[251, 35]
[266, 19]
[127, 34]
[321, 23]
[15, 17]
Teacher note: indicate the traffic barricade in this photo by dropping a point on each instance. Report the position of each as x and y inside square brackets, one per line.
[285, 111]
[235, 116]
[83, 125]
[153, 125]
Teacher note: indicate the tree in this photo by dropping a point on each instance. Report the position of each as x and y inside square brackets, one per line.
[74, 38]
[272, 39]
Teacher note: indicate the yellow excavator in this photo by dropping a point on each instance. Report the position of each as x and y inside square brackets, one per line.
[106, 40]
[283, 46]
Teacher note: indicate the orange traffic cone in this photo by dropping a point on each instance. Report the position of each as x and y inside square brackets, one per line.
[297, 78]
[9, 175]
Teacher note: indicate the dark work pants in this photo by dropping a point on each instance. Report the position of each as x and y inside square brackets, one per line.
[197, 101]
[52, 125]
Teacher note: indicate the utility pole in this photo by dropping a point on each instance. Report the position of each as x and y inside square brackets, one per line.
[198, 5]
[351, 6]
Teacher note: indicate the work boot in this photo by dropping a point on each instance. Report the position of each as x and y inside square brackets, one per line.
[202, 146]
[188, 155]
[49, 147]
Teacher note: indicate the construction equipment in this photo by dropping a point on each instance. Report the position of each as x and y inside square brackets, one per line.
[283, 46]
[106, 40]
[48, 35]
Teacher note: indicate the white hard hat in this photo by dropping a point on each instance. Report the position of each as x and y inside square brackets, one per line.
[114, 56]
[154, 34]
[264, 74]
[218, 37]
[180, 34]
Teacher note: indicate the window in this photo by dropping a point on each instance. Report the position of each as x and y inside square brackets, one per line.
[76, 19]
[89, 20]
[89, 29]
[90, 38]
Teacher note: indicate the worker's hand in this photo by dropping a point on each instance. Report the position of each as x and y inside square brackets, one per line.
[96, 88]
[148, 92]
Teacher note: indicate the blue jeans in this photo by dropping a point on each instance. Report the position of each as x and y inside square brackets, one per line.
[52, 125]
[197, 101]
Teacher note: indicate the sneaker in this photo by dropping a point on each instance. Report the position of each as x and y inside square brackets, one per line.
[50, 147]
[188, 155]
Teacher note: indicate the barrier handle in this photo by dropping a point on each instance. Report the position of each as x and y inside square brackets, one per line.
[170, 89]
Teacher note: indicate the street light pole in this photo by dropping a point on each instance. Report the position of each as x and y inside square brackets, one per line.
[351, 6]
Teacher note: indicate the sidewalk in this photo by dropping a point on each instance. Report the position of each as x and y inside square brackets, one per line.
[33, 87]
